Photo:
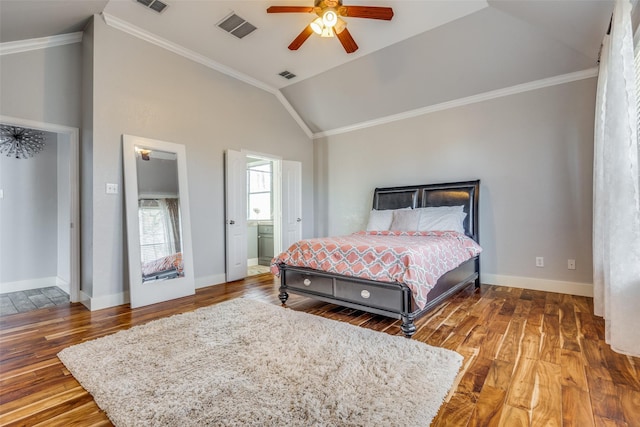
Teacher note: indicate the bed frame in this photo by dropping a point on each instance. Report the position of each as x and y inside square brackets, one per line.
[394, 299]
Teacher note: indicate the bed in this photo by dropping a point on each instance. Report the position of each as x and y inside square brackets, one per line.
[167, 267]
[395, 299]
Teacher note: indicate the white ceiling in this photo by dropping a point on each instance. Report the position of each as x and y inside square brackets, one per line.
[433, 51]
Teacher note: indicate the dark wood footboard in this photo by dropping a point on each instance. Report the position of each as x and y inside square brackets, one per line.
[387, 299]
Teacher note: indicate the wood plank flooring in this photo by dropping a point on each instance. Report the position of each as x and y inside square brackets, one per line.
[531, 358]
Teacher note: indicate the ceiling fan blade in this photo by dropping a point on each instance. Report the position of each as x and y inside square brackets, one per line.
[302, 37]
[347, 41]
[370, 12]
[290, 9]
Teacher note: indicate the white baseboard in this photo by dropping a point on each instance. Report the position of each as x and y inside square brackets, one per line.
[104, 301]
[25, 285]
[252, 261]
[216, 279]
[571, 288]
[64, 285]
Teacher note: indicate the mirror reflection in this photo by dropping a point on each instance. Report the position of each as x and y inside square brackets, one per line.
[159, 216]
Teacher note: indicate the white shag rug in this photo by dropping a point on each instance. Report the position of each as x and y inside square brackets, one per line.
[248, 363]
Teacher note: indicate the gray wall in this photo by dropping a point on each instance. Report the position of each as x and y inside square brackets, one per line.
[157, 177]
[141, 89]
[28, 216]
[533, 152]
[86, 164]
[43, 85]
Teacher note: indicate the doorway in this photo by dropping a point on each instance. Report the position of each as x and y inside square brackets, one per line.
[278, 190]
[39, 240]
[260, 214]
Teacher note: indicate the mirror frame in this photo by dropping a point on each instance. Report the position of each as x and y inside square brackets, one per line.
[157, 291]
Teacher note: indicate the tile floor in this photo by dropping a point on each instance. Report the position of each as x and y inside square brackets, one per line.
[23, 301]
[252, 270]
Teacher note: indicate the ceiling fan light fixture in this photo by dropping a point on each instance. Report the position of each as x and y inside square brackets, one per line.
[317, 26]
[329, 17]
[340, 26]
[327, 32]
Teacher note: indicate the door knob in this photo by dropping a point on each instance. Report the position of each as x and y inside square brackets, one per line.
[299, 220]
[232, 222]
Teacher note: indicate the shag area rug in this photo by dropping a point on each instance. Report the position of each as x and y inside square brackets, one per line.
[248, 363]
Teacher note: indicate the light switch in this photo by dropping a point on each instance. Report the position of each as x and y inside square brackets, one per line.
[112, 188]
[1, 194]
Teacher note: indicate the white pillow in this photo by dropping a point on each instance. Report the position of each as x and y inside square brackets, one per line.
[441, 220]
[405, 220]
[381, 220]
[458, 209]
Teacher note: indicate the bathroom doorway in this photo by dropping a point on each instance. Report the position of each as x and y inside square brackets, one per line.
[277, 200]
[260, 214]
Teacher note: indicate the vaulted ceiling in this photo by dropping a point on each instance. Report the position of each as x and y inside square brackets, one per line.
[431, 53]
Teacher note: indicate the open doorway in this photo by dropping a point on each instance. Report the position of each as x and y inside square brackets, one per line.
[260, 214]
[38, 219]
[276, 204]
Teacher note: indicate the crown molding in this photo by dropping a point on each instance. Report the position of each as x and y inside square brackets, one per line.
[19, 46]
[512, 90]
[138, 32]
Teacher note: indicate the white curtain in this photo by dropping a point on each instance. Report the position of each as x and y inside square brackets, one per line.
[616, 198]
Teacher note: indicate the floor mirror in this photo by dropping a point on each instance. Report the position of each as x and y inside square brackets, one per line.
[158, 226]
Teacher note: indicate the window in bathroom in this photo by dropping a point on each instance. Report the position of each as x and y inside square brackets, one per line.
[259, 183]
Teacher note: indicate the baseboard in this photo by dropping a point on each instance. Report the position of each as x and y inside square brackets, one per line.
[252, 261]
[216, 279]
[104, 301]
[64, 285]
[572, 288]
[25, 285]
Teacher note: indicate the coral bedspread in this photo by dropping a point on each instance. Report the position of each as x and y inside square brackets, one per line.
[417, 259]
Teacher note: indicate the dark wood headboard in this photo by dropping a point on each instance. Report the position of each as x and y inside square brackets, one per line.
[450, 194]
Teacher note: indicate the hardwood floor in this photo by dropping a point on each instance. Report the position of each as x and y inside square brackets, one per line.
[531, 358]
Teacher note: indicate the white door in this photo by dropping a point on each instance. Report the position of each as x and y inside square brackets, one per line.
[291, 203]
[236, 214]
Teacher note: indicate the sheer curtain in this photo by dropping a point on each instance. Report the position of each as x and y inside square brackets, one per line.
[173, 208]
[616, 198]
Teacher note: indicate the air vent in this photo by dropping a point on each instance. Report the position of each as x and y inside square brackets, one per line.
[233, 24]
[156, 5]
[287, 74]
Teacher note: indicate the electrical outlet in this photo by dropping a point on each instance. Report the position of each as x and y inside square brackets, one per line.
[112, 188]
[539, 261]
[571, 264]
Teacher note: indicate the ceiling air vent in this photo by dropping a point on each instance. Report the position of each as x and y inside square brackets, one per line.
[156, 5]
[236, 25]
[287, 74]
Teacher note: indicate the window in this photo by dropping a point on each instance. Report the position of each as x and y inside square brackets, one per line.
[259, 183]
[156, 235]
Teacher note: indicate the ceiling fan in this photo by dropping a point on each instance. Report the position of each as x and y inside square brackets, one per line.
[329, 21]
